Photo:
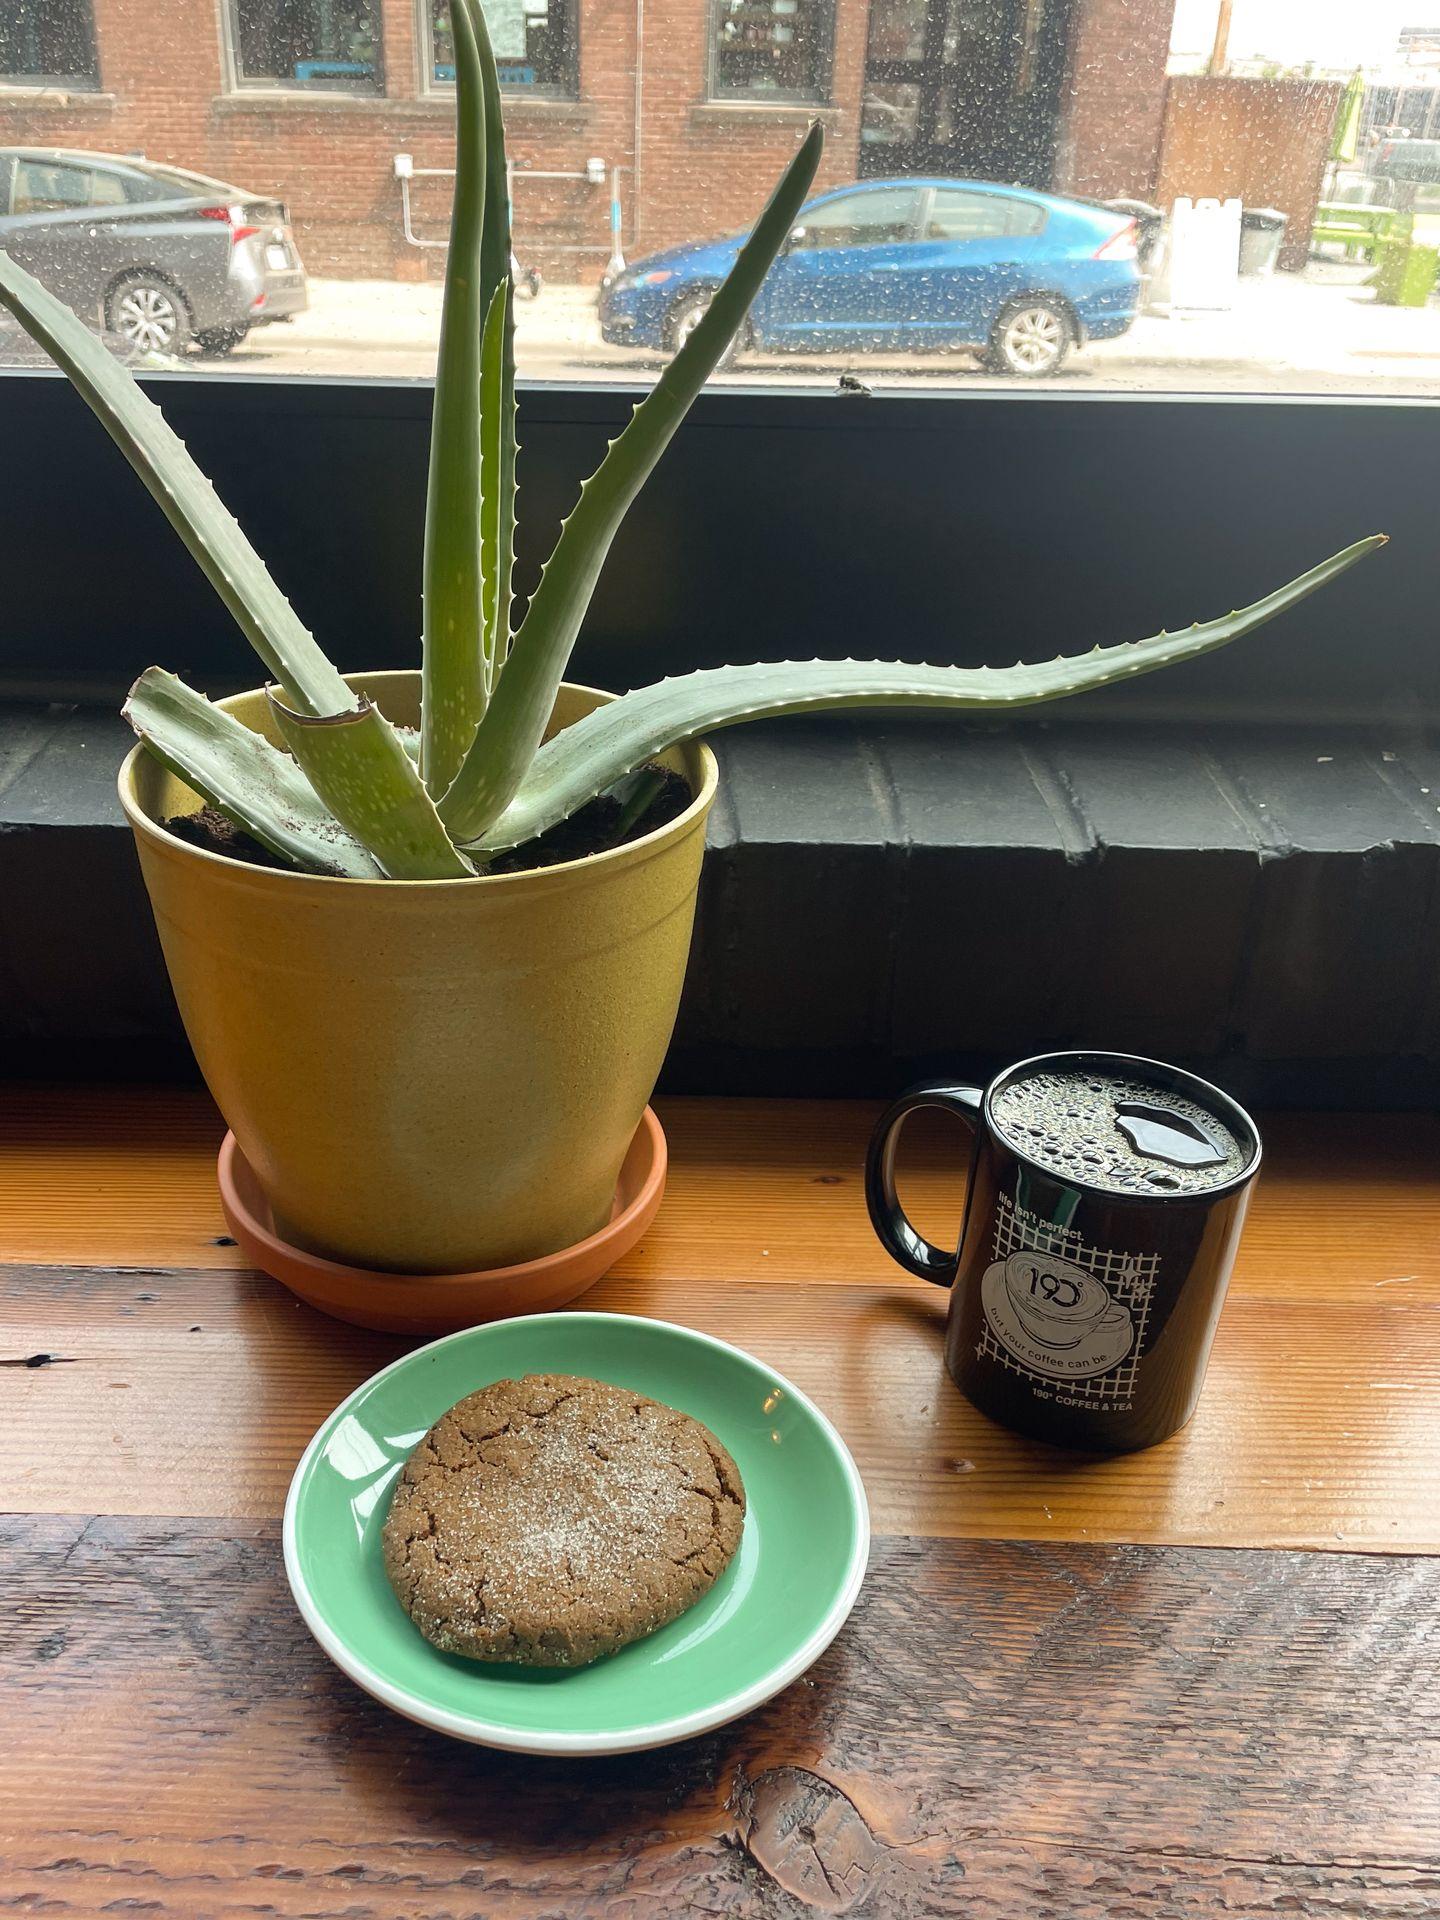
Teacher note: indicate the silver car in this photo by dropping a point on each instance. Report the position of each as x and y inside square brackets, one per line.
[157, 255]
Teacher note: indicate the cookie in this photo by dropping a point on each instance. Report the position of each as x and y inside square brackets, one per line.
[550, 1520]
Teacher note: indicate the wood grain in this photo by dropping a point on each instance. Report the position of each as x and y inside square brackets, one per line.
[1348, 1207]
[194, 1393]
[1001, 1731]
[1019, 1721]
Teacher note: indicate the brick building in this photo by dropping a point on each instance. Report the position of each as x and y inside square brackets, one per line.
[696, 103]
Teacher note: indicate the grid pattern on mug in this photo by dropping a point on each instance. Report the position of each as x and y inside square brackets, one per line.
[1130, 1278]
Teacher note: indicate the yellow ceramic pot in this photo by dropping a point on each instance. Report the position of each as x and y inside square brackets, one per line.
[428, 1076]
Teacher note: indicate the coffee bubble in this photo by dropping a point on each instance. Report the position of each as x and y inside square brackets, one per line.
[1070, 1122]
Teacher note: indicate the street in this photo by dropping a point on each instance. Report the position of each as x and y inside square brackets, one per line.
[1316, 332]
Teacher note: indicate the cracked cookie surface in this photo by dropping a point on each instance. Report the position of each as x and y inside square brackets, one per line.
[550, 1520]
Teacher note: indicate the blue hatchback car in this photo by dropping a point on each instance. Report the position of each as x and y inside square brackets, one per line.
[907, 265]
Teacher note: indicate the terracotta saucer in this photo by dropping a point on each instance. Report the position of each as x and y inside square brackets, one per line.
[443, 1302]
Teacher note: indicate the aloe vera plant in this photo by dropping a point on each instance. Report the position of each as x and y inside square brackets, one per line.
[352, 796]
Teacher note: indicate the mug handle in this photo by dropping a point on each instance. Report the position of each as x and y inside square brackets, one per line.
[899, 1239]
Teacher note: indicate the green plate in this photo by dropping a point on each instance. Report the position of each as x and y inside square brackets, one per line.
[778, 1605]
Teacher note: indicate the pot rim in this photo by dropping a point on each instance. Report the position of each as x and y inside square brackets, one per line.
[631, 853]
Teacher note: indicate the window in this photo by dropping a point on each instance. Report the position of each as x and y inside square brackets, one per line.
[329, 45]
[44, 187]
[772, 50]
[981, 216]
[107, 190]
[168, 183]
[1299, 141]
[881, 217]
[889, 112]
[535, 41]
[50, 45]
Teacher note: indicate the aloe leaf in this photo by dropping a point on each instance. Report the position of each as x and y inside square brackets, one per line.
[184, 495]
[515, 720]
[584, 759]
[495, 243]
[358, 765]
[633, 795]
[453, 677]
[509, 449]
[252, 783]
[499, 426]
[497, 486]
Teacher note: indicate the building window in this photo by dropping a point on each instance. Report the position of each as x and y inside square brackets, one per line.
[535, 41]
[49, 46]
[326, 45]
[771, 50]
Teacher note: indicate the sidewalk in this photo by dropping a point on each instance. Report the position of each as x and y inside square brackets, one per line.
[370, 316]
[1321, 329]
[1324, 321]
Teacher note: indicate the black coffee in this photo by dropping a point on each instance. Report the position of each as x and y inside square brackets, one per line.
[1123, 1135]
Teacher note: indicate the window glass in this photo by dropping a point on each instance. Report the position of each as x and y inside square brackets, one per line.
[772, 49]
[329, 44]
[889, 113]
[534, 42]
[172, 183]
[883, 216]
[106, 190]
[47, 44]
[898, 30]
[981, 216]
[1216, 196]
[43, 187]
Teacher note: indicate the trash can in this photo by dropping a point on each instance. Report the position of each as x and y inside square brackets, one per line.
[1262, 232]
[1405, 273]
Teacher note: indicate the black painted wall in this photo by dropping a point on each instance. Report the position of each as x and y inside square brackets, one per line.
[966, 528]
[1235, 864]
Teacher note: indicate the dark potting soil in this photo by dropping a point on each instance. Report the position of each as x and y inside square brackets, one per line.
[213, 833]
[596, 828]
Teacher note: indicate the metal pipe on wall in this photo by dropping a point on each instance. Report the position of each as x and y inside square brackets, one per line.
[635, 222]
[593, 174]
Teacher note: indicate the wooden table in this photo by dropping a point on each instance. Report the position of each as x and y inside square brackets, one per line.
[1198, 1681]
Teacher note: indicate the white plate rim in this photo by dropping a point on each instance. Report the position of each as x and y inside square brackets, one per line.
[657, 1733]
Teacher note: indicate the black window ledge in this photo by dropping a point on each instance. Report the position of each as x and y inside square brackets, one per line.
[886, 898]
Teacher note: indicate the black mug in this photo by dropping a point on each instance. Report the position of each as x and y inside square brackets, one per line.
[1080, 1314]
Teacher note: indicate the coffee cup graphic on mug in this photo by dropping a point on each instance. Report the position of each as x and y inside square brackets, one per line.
[1058, 1304]
[1104, 1207]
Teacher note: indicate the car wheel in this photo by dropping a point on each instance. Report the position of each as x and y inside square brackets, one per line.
[1031, 337]
[216, 342]
[148, 313]
[686, 315]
